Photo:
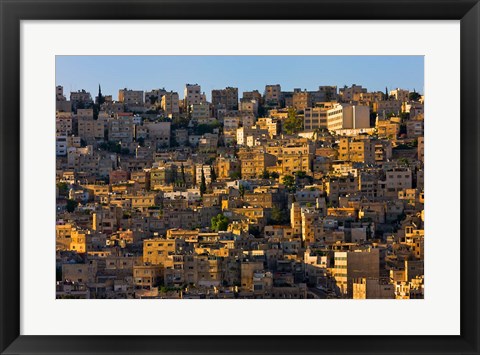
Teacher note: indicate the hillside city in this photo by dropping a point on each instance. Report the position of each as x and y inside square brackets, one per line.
[275, 194]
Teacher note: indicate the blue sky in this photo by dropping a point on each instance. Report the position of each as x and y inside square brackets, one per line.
[245, 72]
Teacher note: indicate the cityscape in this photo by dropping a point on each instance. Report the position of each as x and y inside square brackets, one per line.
[274, 192]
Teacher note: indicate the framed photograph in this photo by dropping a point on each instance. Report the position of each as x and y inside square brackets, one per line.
[276, 177]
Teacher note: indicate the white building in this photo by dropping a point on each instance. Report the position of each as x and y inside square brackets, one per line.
[348, 117]
[192, 94]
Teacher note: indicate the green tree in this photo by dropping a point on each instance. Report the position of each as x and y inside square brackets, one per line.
[254, 230]
[278, 216]
[219, 223]
[173, 172]
[206, 128]
[71, 205]
[62, 188]
[301, 174]
[274, 175]
[414, 96]
[403, 161]
[152, 99]
[292, 123]
[289, 182]
[265, 175]
[203, 184]
[180, 122]
[101, 98]
[182, 172]
[235, 175]
[405, 116]
[213, 174]
[241, 189]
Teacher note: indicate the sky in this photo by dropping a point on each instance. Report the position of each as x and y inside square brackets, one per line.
[245, 72]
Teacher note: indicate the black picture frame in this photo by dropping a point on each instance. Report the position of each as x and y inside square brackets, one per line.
[14, 11]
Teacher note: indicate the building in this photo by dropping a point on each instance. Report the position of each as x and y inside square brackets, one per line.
[90, 129]
[131, 97]
[399, 94]
[369, 288]
[312, 228]
[316, 117]
[226, 98]
[254, 162]
[80, 98]
[121, 129]
[207, 173]
[253, 95]
[301, 100]
[385, 108]
[273, 95]
[227, 167]
[352, 93]
[326, 93]
[200, 113]
[396, 180]
[192, 94]
[169, 103]
[421, 149]
[146, 277]
[348, 116]
[388, 128]
[272, 125]
[250, 106]
[154, 97]
[156, 251]
[351, 265]
[415, 128]
[158, 133]
[357, 150]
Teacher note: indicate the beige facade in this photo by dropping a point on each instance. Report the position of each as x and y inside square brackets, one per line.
[147, 276]
[169, 103]
[397, 180]
[301, 100]
[399, 94]
[348, 117]
[121, 129]
[226, 98]
[192, 94]
[156, 251]
[350, 265]
[90, 129]
[272, 125]
[254, 162]
[367, 288]
[387, 129]
[361, 150]
[384, 108]
[421, 149]
[158, 133]
[273, 95]
[352, 93]
[130, 97]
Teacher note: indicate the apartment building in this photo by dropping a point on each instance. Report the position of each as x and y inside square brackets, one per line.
[131, 97]
[192, 94]
[226, 98]
[169, 103]
[351, 265]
